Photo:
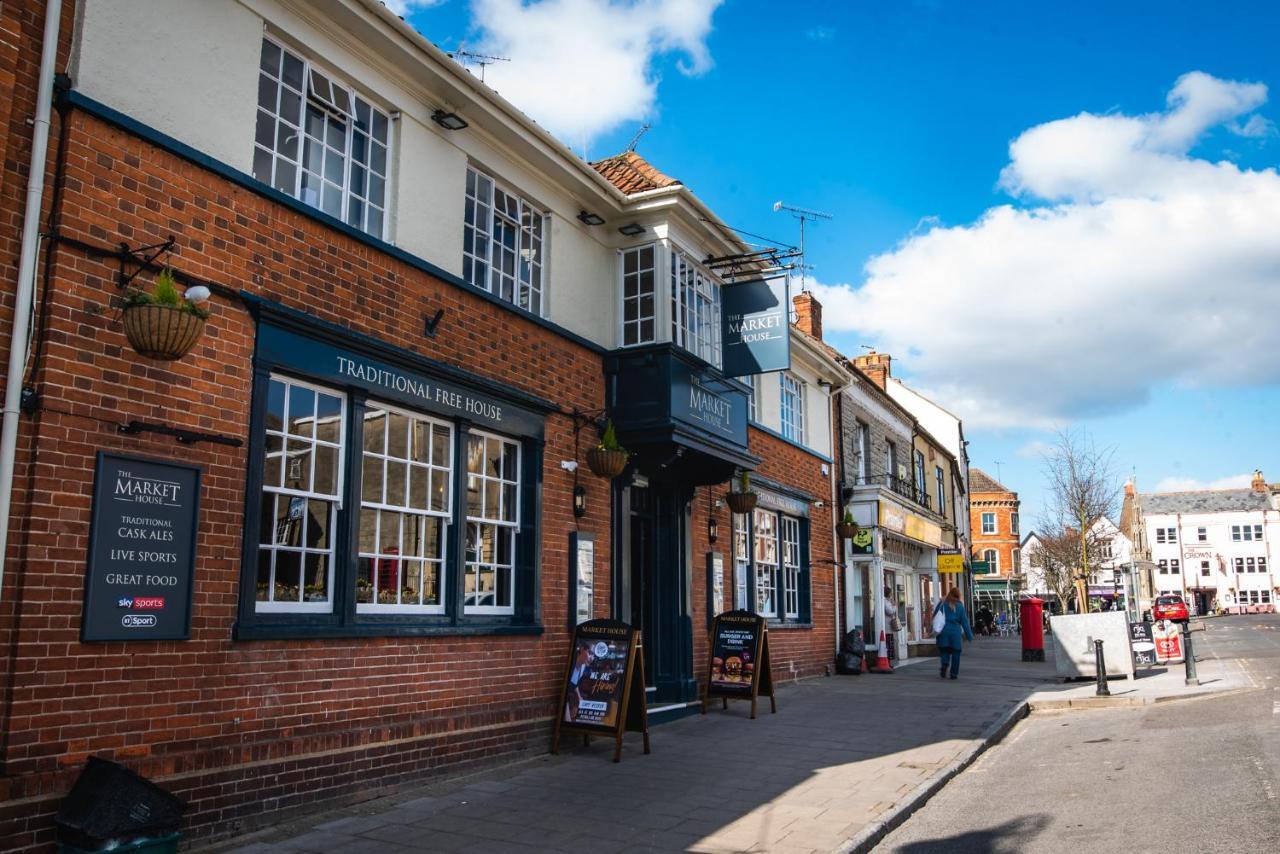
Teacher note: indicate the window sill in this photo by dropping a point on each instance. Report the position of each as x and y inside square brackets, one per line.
[302, 631]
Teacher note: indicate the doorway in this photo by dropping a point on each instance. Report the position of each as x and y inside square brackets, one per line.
[652, 580]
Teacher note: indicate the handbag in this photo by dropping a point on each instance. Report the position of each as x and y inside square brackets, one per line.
[939, 620]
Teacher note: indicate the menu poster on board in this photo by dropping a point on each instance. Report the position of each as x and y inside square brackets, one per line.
[739, 665]
[142, 550]
[603, 691]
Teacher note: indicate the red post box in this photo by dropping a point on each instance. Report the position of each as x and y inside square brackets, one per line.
[1031, 611]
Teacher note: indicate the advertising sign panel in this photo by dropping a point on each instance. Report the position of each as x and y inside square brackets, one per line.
[142, 550]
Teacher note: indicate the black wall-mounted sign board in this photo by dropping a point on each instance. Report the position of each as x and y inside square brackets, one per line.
[142, 550]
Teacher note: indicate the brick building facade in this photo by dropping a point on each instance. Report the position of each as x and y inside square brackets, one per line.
[328, 659]
[997, 536]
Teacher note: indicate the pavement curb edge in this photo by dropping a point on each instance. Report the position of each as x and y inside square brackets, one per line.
[901, 811]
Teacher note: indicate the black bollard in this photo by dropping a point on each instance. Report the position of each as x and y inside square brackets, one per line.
[1100, 662]
[1188, 656]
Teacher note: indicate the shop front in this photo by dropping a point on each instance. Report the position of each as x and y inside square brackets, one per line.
[685, 427]
[911, 545]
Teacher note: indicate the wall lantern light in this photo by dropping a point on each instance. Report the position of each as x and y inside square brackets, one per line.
[632, 229]
[448, 121]
[713, 530]
[590, 218]
[579, 501]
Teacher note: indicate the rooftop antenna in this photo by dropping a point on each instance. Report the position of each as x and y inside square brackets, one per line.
[635, 140]
[466, 57]
[804, 215]
[999, 477]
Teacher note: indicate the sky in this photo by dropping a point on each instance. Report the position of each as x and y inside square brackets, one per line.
[1052, 216]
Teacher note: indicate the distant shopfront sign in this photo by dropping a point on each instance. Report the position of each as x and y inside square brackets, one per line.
[948, 563]
[901, 521]
[755, 327]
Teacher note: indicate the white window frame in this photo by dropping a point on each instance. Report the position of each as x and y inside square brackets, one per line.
[765, 570]
[942, 491]
[446, 515]
[792, 416]
[864, 451]
[741, 561]
[479, 268]
[695, 305]
[513, 525]
[988, 530]
[271, 605]
[992, 557]
[789, 547]
[624, 297]
[350, 109]
[753, 410]
[1013, 524]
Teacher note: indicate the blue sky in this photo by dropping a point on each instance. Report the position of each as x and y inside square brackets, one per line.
[1140, 302]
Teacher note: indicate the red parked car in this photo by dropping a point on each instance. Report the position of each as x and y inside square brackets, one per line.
[1170, 607]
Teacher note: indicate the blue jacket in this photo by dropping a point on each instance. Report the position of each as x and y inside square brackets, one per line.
[957, 624]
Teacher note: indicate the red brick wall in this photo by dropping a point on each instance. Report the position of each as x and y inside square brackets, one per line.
[1004, 541]
[198, 713]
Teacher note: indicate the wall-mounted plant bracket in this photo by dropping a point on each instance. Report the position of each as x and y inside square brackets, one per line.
[140, 257]
[186, 437]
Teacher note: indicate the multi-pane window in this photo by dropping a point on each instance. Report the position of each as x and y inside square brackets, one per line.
[1246, 533]
[1175, 567]
[320, 142]
[790, 566]
[1202, 535]
[992, 557]
[1166, 535]
[502, 243]
[741, 561]
[921, 495]
[695, 308]
[1239, 562]
[766, 562]
[1204, 568]
[301, 494]
[1164, 566]
[406, 490]
[1262, 564]
[1013, 523]
[752, 411]
[493, 515]
[864, 451]
[1017, 560]
[940, 483]
[988, 523]
[768, 552]
[639, 304]
[792, 408]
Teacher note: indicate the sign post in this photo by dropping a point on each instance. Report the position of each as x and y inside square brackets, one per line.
[739, 665]
[603, 689]
[142, 550]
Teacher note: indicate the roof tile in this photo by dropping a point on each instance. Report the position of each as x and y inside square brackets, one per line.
[632, 174]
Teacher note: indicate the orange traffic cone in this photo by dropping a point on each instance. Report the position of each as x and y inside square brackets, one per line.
[882, 657]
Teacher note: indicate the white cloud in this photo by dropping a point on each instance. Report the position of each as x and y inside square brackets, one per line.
[1187, 484]
[1132, 264]
[582, 67]
[1035, 450]
[404, 8]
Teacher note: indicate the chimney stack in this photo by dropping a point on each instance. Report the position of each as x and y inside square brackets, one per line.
[1259, 482]
[808, 314]
[875, 366]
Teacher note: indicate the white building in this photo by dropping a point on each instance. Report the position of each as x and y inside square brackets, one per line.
[1215, 547]
[1109, 579]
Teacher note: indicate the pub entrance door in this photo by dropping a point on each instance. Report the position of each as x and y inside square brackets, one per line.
[652, 585]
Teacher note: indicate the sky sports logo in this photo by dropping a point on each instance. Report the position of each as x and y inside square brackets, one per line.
[141, 603]
[139, 621]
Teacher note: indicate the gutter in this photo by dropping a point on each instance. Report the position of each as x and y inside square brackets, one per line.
[24, 298]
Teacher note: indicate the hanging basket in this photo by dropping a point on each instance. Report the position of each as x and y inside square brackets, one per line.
[741, 502]
[162, 332]
[846, 530]
[606, 463]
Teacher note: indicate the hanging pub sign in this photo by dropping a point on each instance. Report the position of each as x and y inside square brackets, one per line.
[740, 666]
[142, 550]
[755, 328]
[603, 690]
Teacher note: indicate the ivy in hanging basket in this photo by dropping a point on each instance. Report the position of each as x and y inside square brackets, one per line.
[607, 459]
[163, 324]
[744, 500]
[846, 527]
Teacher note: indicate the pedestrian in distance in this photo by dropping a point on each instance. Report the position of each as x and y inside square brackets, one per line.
[955, 629]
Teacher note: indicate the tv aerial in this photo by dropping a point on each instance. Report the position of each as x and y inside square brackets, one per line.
[484, 60]
[804, 215]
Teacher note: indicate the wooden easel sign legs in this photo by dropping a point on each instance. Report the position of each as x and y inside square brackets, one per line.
[739, 663]
[603, 688]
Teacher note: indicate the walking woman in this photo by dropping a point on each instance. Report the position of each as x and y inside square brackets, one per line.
[949, 637]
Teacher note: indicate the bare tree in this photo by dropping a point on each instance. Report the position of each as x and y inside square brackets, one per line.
[1055, 556]
[1082, 489]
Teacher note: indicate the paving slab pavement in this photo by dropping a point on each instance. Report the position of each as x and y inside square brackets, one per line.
[844, 760]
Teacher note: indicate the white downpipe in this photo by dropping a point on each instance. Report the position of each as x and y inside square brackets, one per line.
[24, 298]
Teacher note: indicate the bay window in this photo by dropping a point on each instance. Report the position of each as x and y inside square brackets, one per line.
[695, 308]
[384, 501]
[639, 303]
[320, 142]
[502, 243]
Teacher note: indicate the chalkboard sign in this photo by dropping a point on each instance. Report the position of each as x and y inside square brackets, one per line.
[142, 550]
[739, 661]
[1142, 642]
[603, 691]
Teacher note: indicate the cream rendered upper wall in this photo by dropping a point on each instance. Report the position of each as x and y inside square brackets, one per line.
[817, 402]
[196, 80]
[207, 97]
